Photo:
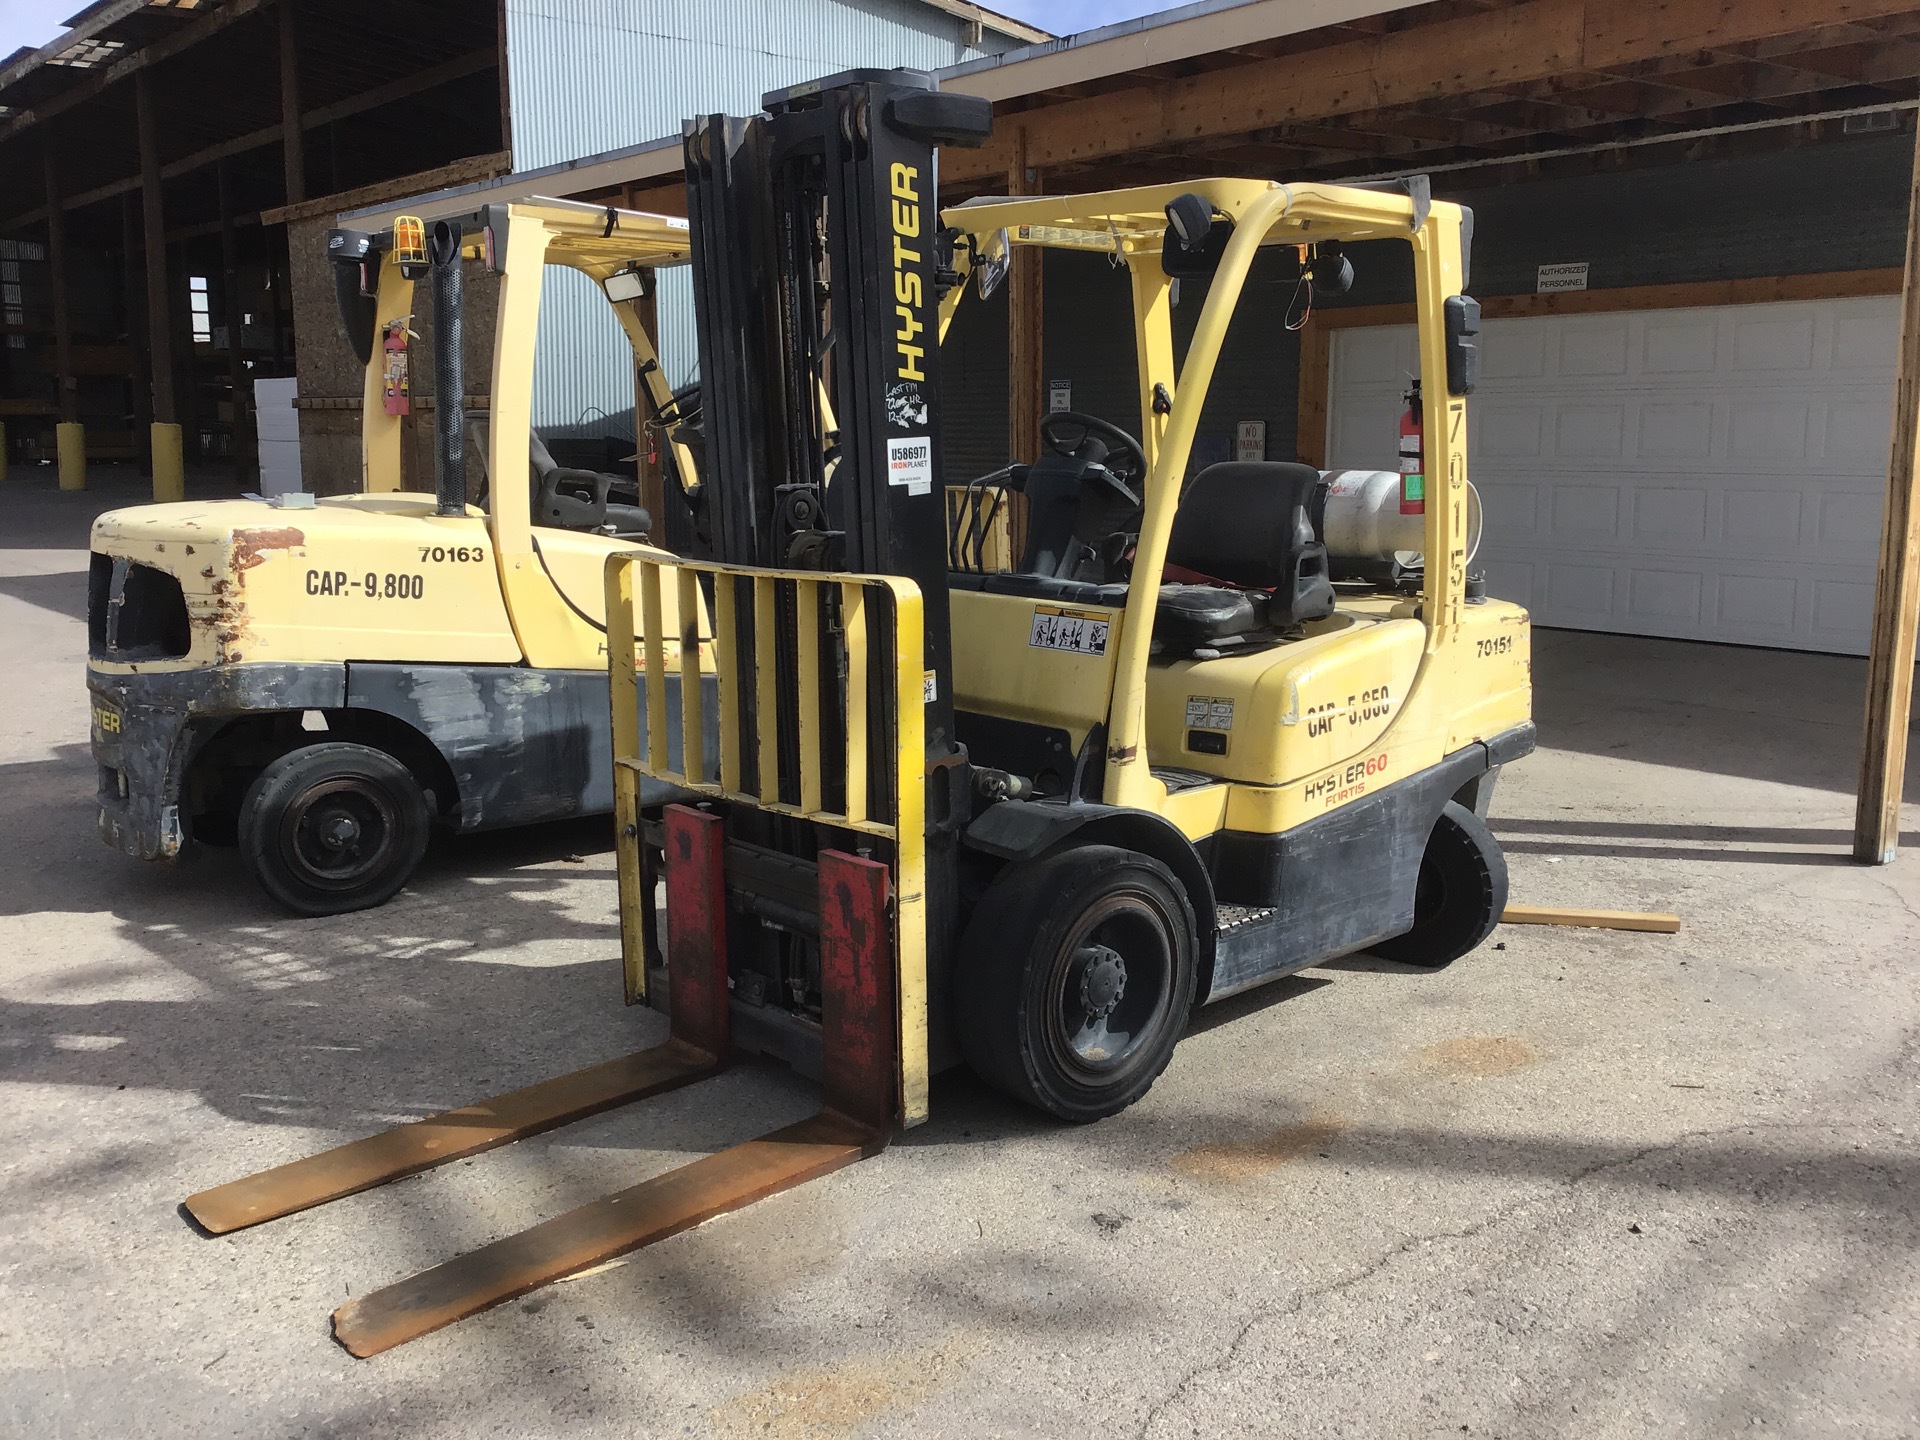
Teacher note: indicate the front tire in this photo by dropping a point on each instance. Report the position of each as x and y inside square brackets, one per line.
[1074, 980]
[334, 827]
[1459, 897]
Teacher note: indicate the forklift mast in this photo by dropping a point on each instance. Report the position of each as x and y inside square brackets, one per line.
[819, 265]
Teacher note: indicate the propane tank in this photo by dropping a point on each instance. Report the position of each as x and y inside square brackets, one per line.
[1362, 519]
[1413, 465]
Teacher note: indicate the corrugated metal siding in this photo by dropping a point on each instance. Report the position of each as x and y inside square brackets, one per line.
[588, 76]
[593, 75]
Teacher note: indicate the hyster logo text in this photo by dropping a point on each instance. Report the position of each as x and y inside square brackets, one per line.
[908, 292]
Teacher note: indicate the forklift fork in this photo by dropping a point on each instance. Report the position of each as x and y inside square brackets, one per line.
[860, 1044]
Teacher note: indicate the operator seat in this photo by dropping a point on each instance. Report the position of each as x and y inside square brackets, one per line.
[1246, 525]
[1069, 524]
[551, 505]
[554, 505]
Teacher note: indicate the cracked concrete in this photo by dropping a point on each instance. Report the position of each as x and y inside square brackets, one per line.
[1580, 1184]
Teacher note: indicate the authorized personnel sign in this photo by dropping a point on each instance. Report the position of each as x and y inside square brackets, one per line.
[1551, 278]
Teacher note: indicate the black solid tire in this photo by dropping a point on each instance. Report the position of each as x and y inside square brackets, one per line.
[1062, 936]
[1460, 895]
[297, 811]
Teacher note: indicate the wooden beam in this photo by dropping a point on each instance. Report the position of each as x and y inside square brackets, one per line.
[67, 387]
[427, 79]
[293, 139]
[1592, 919]
[1896, 595]
[1471, 52]
[210, 22]
[154, 220]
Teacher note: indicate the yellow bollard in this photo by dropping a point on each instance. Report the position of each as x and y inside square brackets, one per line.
[169, 468]
[71, 444]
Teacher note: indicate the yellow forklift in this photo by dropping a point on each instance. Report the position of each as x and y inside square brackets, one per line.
[321, 681]
[1030, 817]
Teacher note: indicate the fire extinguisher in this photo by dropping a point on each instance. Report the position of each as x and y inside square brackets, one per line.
[1413, 465]
[396, 383]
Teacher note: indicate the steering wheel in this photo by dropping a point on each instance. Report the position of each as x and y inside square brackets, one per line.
[1100, 444]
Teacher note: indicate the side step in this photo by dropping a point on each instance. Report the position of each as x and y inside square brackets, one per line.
[859, 1074]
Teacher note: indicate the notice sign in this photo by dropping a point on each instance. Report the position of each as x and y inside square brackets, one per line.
[910, 463]
[1560, 277]
[1059, 396]
[1250, 440]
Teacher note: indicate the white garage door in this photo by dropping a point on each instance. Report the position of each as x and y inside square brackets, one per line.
[1709, 474]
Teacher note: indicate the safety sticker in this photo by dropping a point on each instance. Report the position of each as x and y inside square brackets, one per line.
[910, 463]
[929, 687]
[1063, 235]
[1069, 630]
[1209, 712]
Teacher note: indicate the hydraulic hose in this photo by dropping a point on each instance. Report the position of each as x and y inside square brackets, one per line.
[449, 368]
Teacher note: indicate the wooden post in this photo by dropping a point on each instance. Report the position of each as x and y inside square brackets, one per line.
[1026, 311]
[293, 140]
[57, 278]
[70, 440]
[140, 376]
[240, 401]
[1896, 598]
[1026, 348]
[169, 479]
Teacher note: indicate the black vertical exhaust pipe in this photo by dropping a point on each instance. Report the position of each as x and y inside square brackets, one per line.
[449, 367]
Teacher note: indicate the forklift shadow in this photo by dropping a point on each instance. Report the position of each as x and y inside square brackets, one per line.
[63, 592]
[586, 840]
[968, 1111]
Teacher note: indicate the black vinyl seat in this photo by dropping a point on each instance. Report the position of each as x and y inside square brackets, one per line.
[1246, 524]
[552, 504]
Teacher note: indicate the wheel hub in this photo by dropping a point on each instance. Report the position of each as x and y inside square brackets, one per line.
[1103, 980]
[339, 832]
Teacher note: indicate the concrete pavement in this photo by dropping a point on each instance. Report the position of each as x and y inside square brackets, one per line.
[1580, 1184]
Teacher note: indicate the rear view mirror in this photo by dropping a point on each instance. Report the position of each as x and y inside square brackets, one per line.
[352, 254]
[1462, 314]
[625, 285]
[990, 263]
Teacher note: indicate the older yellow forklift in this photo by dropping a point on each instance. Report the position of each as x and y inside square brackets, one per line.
[322, 681]
[1030, 818]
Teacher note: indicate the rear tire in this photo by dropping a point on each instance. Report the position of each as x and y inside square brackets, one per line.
[1075, 978]
[334, 827]
[1459, 897]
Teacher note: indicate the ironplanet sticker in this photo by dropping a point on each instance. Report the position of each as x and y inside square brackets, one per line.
[910, 463]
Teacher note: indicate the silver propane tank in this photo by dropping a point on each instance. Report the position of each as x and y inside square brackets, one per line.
[1362, 519]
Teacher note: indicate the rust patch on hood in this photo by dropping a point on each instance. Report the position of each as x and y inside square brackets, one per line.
[250, 547]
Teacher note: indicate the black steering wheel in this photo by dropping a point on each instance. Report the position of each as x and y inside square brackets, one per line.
[1118, 463]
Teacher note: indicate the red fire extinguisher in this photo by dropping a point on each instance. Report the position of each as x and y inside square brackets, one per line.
[1413, 466]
